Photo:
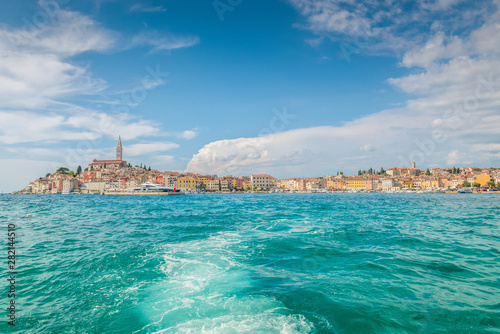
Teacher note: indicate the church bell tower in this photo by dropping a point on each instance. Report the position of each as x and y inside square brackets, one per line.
[119, 149]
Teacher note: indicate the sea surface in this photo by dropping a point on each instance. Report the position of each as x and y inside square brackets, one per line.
[254, 263]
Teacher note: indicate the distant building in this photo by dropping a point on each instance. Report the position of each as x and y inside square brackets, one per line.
[262, 181]
[483, 179]
[68, 186]
[186, 184]
[114, 164]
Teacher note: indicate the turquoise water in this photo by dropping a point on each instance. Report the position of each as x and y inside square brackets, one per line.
[316, 263]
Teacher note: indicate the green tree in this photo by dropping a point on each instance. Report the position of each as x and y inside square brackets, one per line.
[491, 184]
[62, 170]
[476, 185]
[149, 169]
[466, 184]
[428, 172]
[91, 167]
[382, 171]
[359, 172]
[71, 173]
[78, 170]
[498, 184]
[129, 165]
[105, 166]
[454, 170]
[47, 175]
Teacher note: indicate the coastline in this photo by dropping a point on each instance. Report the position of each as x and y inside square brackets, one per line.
[261, 193]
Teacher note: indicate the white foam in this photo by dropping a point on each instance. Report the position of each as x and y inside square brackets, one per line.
[204, 292]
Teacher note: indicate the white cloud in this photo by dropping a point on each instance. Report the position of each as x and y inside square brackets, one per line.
[189, 134]
[164, 42]
[455, 111]
[25, 127]
[453, 158]
[112, 125]
[142, 8]
[148, 148]
[164, 159]
[34, 66]
[374, 26]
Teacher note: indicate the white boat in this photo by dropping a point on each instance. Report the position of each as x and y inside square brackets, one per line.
[153, 188]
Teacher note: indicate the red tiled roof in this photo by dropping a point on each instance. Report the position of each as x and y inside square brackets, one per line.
[100, 162]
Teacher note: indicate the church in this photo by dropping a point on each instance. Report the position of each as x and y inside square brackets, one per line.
[118, 163]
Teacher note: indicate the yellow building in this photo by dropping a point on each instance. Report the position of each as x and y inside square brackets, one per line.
[247, 185]
[407, 183]
[483, 179]
[224, 185]
[355, 183]
[202, 180]
[186, 183]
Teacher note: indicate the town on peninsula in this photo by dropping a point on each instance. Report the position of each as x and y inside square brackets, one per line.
[119, 177]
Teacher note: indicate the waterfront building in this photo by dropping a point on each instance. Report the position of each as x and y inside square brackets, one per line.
[95, 186]
[224, 185]
[388, 184]
[355, 183]
[262, 181]
[132, 183]
[68, 186]
[170, 179]
[247, 185]
[186, 183]
[212, 185]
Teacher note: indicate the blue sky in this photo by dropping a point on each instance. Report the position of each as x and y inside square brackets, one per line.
[291, 87]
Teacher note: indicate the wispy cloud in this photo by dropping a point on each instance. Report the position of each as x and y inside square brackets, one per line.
[386, 26]
[34, 64]
[149, 148]
[140, 7]
[164, 42]
[26, 127]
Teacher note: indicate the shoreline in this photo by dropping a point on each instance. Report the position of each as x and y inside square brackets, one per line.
[260, 193]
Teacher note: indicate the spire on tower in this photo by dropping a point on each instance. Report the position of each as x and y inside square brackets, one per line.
[119, 149]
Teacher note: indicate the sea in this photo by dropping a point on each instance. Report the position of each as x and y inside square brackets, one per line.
[253, 263]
